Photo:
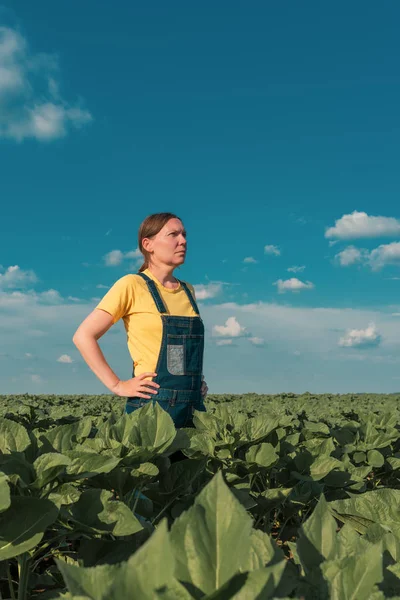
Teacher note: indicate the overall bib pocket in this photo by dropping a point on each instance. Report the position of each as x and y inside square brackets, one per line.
[184, 354]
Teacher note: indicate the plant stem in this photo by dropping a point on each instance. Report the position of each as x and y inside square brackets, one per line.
[10, 583]
[23, 567]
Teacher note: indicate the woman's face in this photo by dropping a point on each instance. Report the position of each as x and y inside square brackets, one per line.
[169, 245]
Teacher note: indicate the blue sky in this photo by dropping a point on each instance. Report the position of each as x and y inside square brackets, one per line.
[272, 129]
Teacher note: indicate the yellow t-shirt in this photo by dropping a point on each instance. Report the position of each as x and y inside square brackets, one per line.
[130, 299]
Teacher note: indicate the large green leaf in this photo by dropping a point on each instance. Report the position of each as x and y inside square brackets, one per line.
[151, 568]
[257, 428]
[205, 539]
[66, 437]
[377, 506]
[324, 465]
[19, 470]
[23, 524]
[48, 467]
[263, 455]
[147, 427]
[13, 437]
[96, 510]
[88, 464]
[317, 537]
[353, 577]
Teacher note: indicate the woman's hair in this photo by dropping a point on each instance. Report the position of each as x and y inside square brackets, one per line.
[150, 227]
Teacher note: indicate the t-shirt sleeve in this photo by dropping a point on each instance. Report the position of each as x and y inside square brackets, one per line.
[120, 298]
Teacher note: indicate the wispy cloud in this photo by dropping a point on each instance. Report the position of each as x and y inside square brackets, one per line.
[256, 341]
[31, 105]
[360, 225]
[271, 249]
[296, 269]
[376, 259]
[16, 278]
[292, 285]
[224, 342]
[65, 358]
[250, 259]
[205, 291]
[385, 254]
[115, 257]
[351, 255]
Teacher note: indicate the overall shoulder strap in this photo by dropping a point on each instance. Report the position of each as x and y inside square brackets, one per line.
[155, 293]
[190, 296]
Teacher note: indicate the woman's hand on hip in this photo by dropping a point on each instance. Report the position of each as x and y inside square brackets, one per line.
[204, 388]
[137, 386]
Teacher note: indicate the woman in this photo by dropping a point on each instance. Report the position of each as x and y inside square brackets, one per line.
[165, 333]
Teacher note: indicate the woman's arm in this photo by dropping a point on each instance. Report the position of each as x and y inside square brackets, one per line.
[85, 339]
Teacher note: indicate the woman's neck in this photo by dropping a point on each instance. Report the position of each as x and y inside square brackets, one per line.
[164, 275]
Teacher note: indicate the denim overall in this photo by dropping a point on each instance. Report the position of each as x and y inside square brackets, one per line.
[180, 363]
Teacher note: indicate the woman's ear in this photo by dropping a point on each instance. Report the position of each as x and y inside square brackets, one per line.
[146, 243]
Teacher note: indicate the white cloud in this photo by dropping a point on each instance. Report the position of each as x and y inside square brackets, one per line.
[36, 378]
[271, 249]
[292, 285]
[100, 286]
[351, 255]
[361, 338]
[360, 225]
[205, 291]
[65, 358]
[231, 328]
[30, 102]
[385, 254]
[51, 297]
[224, 342]
[257, 341]
[296, 269]
[15, 278]
[250, 259]
[115, 257]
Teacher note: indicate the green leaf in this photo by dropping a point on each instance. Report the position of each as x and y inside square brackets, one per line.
[48, 467]
[95, 510]
[324, 465]
[66, 437]
[201, 445]
[149, 429]
[205, 538]
[354, 576]
[317, 537]
[13, 437]
[87, 464]
[377, 506]
[359, 457]
[151, 568]
[263, 551]
[375, 458]
[263, 455]
[23, 524]
[257, 428]
[66, 494]
[316, 427]
[5, 499]
[394, 462]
